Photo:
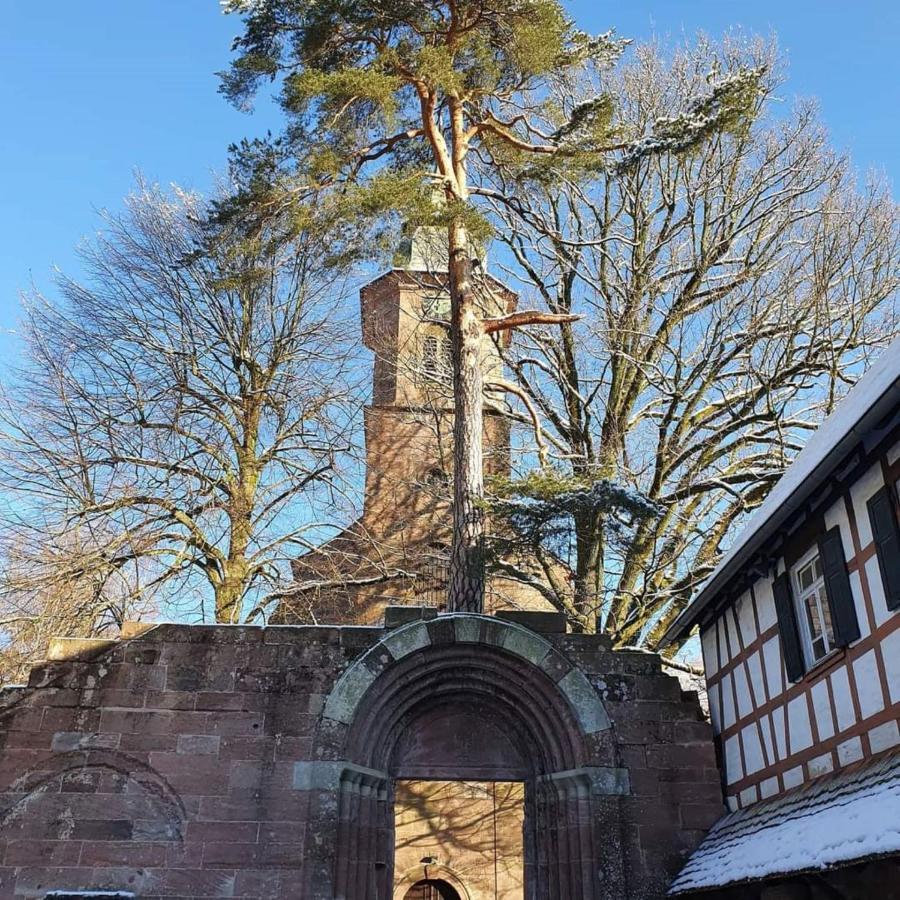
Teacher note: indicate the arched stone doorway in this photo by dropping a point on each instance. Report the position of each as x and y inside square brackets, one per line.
[469, 697]
[432, 889]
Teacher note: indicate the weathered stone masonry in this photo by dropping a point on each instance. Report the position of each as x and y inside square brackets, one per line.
[217, 761]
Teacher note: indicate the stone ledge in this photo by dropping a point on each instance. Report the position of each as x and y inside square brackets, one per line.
[395, 616]
[135, 629]
[542, 622]
[597, 781]
[62, 649]
[335, 775]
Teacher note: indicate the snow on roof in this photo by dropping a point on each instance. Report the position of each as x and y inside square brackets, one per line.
[879, 379]
[837, 820]
[64, 895]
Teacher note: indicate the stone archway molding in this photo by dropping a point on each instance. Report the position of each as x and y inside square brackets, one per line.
[547, 703]
[587, 706]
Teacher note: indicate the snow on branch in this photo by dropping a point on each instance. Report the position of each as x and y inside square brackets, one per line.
[728, 107]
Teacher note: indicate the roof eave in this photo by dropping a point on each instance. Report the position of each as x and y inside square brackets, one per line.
[869, 420]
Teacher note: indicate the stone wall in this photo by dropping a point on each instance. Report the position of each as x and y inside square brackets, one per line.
[217, 761]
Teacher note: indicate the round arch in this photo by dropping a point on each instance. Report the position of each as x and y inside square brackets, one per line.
[432, 889]
[436, 872]
[518, 709]
[158, 801]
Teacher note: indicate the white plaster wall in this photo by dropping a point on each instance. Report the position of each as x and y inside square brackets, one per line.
[772, 660]
[884, 736]
[798, 722]
[753, 756]
[746, 619]
[876, 592]
[768, 788]
[744, 704]
[868, 685]
[733, 644]
[860, 491]
[765, 604]
[723, 641]
[715, 707]
[727, 702]
[710, 657]
[768, 739]
[843, 702]
[859, 604]
[822, 709]
[780, 735]
[754, 666]
[836, 514]
[733, 770]
[850, 751]
[820, 765]
[890, 653]
[894, 453]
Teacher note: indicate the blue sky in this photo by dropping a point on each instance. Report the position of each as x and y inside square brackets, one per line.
[93, 91]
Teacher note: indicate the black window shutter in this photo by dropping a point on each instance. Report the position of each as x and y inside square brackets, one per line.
[837, 586]
[883, 516]
[787, 626]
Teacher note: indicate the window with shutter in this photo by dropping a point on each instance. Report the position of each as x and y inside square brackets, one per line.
[814, 620]
[885, 529]
[787, 627]
[837, 588]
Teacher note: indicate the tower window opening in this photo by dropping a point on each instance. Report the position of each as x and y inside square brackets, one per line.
[430, 357]
[437, 360]
[447, 356]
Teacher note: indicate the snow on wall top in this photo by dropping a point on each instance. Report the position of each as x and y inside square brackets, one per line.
[841, 819]
[861, 398]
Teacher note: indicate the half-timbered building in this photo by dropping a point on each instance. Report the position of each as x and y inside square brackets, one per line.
[800, 633]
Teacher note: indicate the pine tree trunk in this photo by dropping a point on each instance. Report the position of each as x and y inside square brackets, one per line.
[466, 589]
[588, 567]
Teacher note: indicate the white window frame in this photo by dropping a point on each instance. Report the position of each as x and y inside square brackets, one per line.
[800, 595]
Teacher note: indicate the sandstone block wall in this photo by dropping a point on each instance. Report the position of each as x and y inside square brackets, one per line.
[172, 764]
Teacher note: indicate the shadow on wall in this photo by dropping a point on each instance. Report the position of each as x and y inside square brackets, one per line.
[471, 831]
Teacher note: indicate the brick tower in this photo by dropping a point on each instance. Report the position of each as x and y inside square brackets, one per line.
[396, 552]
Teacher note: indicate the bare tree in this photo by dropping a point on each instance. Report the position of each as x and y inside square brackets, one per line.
[729, 296]
[72, 584]
[179, 426]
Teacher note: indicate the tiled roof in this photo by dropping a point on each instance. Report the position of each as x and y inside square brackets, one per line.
[844, 818]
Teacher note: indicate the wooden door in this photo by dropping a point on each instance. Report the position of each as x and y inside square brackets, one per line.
[432, 889]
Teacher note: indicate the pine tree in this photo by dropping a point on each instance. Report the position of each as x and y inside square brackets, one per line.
[387, 99]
